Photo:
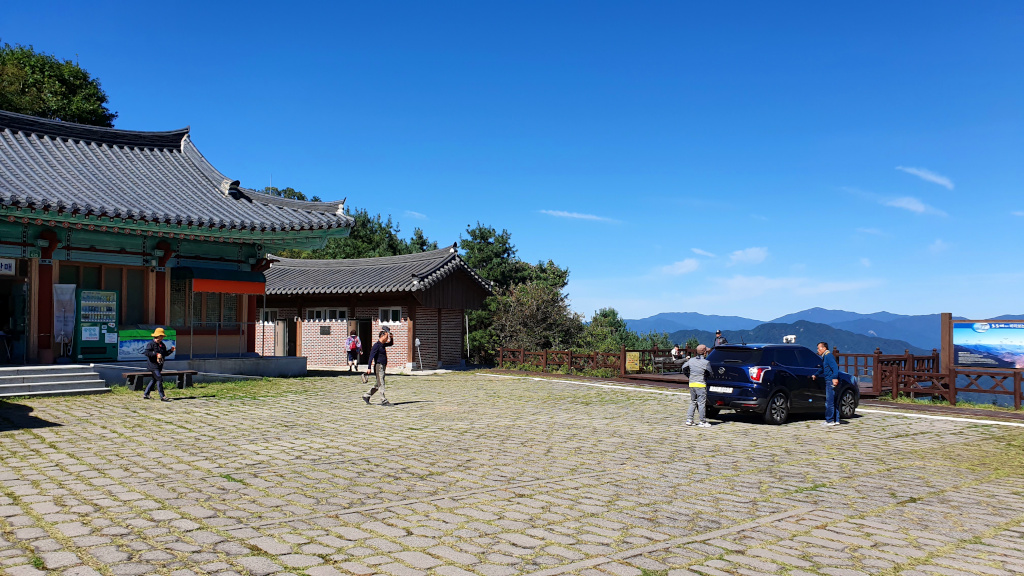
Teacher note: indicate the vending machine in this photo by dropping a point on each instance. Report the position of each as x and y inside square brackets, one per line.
[96, 326]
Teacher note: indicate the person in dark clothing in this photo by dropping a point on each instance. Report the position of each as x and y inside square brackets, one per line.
[719, 339]
[829, 371]
[378, 365]
[155, 352]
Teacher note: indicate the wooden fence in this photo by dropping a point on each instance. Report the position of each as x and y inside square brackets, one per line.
[878, 373]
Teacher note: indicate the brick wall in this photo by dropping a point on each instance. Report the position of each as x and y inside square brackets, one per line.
[324, 349]
[451, 337]
[265, 339]
[426, 331]
[398, 355]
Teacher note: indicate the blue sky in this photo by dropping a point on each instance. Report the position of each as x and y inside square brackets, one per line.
[743, 158]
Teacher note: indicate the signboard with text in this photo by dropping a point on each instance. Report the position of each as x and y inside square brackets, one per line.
[995, 344]
[7, 266]
[632, 361]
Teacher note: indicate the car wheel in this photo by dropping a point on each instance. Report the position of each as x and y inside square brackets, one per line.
[711, 412]
[847, 404]
[778, 409]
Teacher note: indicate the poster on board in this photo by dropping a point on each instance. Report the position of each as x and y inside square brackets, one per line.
[989, 344]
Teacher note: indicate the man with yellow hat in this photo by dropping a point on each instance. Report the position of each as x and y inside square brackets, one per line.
[156, 351]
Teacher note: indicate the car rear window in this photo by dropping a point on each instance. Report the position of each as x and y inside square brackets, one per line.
[746, 356]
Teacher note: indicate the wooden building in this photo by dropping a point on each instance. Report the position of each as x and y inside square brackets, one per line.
[314, 304]
[145, 214]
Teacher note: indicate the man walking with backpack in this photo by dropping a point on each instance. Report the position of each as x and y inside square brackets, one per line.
[355, 349]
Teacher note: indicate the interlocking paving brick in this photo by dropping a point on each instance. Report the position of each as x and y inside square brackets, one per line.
[482, 475]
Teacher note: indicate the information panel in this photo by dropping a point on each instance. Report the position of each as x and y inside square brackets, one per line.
[997, 344]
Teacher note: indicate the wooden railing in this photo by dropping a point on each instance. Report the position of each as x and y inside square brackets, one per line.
[883, 370]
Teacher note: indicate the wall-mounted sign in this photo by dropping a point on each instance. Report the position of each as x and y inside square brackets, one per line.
[8, 266]
[996, 344]
[632, 361]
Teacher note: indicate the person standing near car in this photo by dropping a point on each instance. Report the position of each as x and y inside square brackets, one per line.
[698, 369]
[378, 365]
[719, 339]
[829, 371]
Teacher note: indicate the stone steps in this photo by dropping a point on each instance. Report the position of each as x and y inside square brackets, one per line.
[50, 381]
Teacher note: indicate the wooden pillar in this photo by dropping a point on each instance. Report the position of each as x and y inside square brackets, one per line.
[163, 297]
[298, 337]
[946, 332]
[31, 339]
[250, 323]
[438, 338]
[46, 272]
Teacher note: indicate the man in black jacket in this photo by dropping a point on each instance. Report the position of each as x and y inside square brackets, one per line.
[155, 352]
[378, 364]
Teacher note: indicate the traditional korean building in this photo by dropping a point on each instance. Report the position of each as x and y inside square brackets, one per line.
[143, 214]
[314, 304]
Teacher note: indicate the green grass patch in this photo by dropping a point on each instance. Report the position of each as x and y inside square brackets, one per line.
[237, 389]
[38, 563]
[231, 478]
[937, 401]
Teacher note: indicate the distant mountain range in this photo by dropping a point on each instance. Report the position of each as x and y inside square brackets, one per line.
[675, 321]
[807, 334]
[919, 332]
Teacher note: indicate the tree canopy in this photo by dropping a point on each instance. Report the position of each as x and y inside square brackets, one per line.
[40, 85]
[288, 192]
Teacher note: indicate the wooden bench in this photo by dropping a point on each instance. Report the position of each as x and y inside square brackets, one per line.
[665, 363]
[136, 380]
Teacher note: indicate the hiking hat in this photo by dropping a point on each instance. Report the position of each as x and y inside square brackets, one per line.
[158, 332]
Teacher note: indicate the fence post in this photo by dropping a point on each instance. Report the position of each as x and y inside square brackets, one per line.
[544, 361]
[501, 357]
[952, 386]
[876, 376]
[622, 362]
[1016, 389]
[936, 362]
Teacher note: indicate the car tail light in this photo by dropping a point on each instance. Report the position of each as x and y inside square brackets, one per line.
[757, 373]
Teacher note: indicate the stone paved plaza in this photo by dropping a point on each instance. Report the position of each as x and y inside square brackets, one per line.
[474, 474]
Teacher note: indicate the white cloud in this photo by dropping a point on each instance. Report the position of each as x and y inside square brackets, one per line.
[748, 256]
[938, 246]
[415, 215]
[865, 262]
[912, 204]
[928, 176]
[1018, 213]
[576, 215]
[700, 252]
[682, 267]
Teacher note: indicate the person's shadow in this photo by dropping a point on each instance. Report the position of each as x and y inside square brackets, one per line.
[14, 416]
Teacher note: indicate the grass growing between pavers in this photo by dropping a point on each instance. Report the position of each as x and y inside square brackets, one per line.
[234, 389]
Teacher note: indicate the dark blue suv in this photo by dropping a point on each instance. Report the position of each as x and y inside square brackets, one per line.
[773, 380]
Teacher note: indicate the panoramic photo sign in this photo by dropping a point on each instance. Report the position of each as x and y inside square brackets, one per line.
[989, 344]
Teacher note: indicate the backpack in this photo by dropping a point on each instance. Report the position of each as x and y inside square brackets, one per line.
[353, 343]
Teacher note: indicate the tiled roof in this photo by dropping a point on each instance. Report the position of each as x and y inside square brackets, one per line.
[405, 273]
[148, 176]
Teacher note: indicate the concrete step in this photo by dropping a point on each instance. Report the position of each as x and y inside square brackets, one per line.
[53, 371]
[94, 386]
[64, 392]
[44, 378]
